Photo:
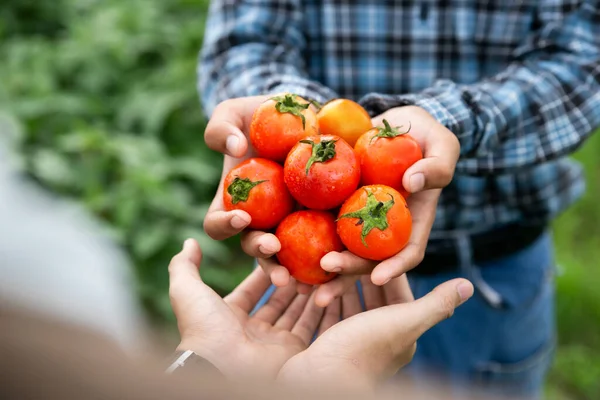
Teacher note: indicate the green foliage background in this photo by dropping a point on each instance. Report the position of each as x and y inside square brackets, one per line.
[99, 99]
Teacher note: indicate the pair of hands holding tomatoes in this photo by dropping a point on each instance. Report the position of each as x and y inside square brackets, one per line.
[275, 342]
[227, 132]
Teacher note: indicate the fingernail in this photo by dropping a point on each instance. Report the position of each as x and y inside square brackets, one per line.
[417, 182]
[328, 262]
[232, 144]
[238, 222]
[187, 242]
[330, 266]
[323, 301]
[465, 290]
[266, 249]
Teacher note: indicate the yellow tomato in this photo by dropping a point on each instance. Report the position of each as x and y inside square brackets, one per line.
[344, 118]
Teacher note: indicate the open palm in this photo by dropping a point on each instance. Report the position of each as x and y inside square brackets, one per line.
[224, 332]
[274, 341]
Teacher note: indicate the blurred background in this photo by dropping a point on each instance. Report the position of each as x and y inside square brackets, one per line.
[98, 99]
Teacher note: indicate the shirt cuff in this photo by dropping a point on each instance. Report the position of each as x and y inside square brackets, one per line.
[449, 107]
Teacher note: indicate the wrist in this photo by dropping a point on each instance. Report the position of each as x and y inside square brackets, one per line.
[434, 106]
[411, 111]
[324, 373]
[207, 352]
[189, 361]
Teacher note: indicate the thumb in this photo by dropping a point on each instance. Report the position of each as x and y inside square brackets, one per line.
[429, 173]
[439, 304]
[400, 325]
[185, 265]
[435, 170]
[383, 339]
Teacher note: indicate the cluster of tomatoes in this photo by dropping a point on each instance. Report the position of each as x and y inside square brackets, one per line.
[324, 180]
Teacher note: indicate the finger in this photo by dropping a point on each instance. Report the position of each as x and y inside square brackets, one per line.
[327, 292]
[259, 244]
[291, 315]
[399, 326]
[436, 169]
[224, 129]
[421, 315]
[278, 274]
[423, 207]
[185, 265]
[398, 291]
[332, 315]
[428, 173]
[276, 305]
[372, 294]
[303, 288]
[248, 293]
[220, 225]
[351, 303]
[346, 263]
[306, 326]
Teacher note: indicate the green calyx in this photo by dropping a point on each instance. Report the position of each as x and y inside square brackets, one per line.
[317, 105]
[289, 104]
[388, 132]
[372, 215]
[240, 189]
[321, 152]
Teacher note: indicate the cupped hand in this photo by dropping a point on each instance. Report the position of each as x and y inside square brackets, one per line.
[240, 344]
[223, 331]
[274, 340]
[227, 132]
[424, 180]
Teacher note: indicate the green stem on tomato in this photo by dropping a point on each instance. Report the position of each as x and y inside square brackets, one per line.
[387, 131]
[372, 215]
[289, 104]
[240, 189]
[317, 105]
[321, 152]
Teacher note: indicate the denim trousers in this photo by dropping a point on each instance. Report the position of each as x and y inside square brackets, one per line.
[503, 339]
[503, 349]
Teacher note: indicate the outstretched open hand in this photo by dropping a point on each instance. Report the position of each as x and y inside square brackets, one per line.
[223, 330]
[275, 341]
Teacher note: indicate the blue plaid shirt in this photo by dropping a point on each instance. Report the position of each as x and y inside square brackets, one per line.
[518, 82]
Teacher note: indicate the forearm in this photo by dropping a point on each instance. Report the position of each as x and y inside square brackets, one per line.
[253, 49]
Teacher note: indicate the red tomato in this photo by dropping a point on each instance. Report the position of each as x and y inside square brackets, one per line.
[344, 118]
[257, 187]
[375, 222]
[321, 172]
[279, 123]
[305, 237]
[385, 153]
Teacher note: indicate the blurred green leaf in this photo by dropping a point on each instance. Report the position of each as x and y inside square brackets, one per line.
[151, 239]
[51, 167]
[150, 110]
[576, 373]
[196, 169]
[11, 129]
[100, 96]
[213, 250]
